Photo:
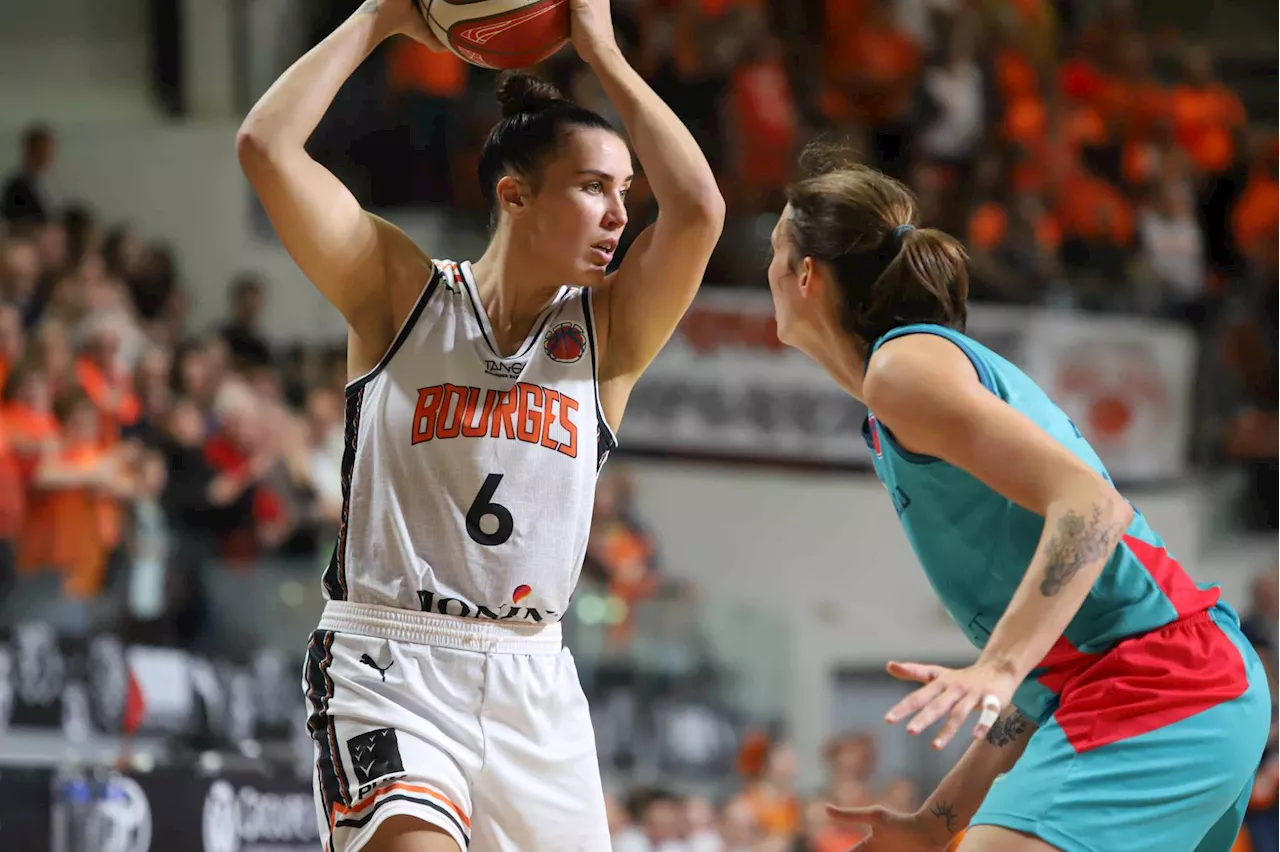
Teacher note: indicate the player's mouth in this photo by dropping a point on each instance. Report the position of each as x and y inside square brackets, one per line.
[602, 252]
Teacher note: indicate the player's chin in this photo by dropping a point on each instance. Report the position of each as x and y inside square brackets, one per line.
[592, 273]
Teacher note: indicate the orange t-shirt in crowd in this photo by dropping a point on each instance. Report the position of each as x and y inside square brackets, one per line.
[113, 396]
[1094, 210]
[775, 815]
[1255, 219]
[27, 426]
[13, 490]
[1203, 122]
[1015, 75]
[53, 514]
[989, 225]
[767, 123]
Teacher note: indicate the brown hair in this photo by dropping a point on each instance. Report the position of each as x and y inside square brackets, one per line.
[861, 223]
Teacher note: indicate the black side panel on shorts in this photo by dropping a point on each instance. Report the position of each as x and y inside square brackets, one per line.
[333, 785]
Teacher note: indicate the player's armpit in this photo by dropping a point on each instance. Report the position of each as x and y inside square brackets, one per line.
[645, 299]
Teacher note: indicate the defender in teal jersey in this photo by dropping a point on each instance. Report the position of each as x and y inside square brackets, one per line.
[1123, 710]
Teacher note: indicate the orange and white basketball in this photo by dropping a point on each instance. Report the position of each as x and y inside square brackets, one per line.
[499, 33]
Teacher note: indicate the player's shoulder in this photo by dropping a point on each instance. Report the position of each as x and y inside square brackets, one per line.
[910, 364]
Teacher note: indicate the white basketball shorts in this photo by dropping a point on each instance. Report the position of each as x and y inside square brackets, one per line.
[477, 727]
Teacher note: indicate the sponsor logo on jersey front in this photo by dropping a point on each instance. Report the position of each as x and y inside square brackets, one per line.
[565, 343]
[432, 602]
[503, 370]
[527, 412]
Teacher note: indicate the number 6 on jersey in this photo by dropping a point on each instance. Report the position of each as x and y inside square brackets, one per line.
[482, 506]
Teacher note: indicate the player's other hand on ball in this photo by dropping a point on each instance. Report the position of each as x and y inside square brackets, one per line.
[402, 17]
[591, 26]
[953, 694]
[892, 831]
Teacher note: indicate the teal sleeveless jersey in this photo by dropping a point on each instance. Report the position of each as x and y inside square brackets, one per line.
[975, 545]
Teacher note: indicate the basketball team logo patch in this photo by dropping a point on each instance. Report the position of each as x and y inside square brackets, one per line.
[565, 343]
[875, 435]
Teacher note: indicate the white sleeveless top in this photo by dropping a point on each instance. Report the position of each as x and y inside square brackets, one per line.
[469, 478]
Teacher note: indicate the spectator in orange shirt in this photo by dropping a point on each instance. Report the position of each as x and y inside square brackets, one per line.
[876, 86]
[1013, 249]
[77, 487]
[1255, 218]
[1206, 115]
[104, 380]
[29, 423]
[1097, 224]
[765, 117]
[12, 507]
[770, 794]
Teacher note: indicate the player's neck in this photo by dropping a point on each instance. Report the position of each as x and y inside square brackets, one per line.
[834, 351]
[512, 290]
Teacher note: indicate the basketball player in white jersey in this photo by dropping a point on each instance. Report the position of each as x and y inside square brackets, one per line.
[483, 400]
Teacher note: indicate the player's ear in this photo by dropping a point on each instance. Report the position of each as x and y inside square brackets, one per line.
[511, 195]
[807, 277]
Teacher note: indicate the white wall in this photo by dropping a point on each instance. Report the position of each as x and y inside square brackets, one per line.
[826, 553]
[61, 59]
[182, 183]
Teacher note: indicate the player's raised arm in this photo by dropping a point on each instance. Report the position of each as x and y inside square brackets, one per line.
[923, 388]
[352, 257]
[652, 290]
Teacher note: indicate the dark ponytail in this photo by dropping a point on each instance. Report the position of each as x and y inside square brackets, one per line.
[534, 115]
[862, 224]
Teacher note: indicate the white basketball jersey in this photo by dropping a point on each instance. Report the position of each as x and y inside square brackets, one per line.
[468, 477]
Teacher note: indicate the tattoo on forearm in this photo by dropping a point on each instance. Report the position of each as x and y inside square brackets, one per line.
[368, 7]
[1008, 729]
[1076, 543]
[945, 811]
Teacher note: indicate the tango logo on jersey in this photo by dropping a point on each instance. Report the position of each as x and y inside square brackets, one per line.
[431, 602]
[503, 371]
[875, 435]
[565, 343]
[529, 413]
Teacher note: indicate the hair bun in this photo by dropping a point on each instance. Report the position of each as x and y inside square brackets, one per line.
[520, 92]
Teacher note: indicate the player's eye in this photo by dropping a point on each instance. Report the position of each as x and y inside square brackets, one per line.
[595, 187]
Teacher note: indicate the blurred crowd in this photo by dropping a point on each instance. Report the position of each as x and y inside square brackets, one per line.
[768, 814]
[132, 447]
[1065, 148]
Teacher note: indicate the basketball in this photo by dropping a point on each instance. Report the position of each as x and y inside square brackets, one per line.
[499, 34]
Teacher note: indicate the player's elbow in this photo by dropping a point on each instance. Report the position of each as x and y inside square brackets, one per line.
[256, 146]
[701, 214]
[252, 148]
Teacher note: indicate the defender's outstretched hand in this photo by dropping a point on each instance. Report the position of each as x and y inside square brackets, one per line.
[954, 693]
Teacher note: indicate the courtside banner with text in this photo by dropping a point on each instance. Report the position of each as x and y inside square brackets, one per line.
[725, 388]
